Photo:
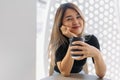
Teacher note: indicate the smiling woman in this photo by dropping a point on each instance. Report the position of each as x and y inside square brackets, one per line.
[69, 22]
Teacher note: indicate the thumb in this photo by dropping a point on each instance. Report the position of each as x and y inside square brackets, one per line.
[71, 34]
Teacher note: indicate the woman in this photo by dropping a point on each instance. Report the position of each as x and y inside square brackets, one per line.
[69, 22]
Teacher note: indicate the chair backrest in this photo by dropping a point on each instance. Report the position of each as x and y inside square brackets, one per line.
[101, 18]
[85, 68]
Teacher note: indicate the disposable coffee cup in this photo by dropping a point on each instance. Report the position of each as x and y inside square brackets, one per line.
[73, 50]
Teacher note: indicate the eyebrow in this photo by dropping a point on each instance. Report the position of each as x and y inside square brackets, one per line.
[71, 15]
[68, 16]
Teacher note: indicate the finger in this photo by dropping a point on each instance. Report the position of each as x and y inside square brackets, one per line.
[76, 52]
[80, 57]
[63, 28]
[79, 52]
[81, 48]
[79, 42]
[72, 34]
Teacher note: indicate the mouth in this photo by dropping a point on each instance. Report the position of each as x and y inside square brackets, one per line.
[75, 27]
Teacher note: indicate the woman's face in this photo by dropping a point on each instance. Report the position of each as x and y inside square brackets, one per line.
[73, 20]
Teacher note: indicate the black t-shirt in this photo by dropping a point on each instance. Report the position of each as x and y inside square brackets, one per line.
[78, 64]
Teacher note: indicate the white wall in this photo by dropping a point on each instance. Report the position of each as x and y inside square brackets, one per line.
[17, 39]
[41, 55]
[118, 6]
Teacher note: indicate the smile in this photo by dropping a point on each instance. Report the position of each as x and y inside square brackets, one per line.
[75, 27]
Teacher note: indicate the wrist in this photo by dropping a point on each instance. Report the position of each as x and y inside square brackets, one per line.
[69, 52]
[96, 54]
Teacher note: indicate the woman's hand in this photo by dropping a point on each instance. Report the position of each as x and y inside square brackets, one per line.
[66, 31]
[85, 49]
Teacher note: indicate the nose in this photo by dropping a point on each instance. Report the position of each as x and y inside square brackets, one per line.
[75, 21]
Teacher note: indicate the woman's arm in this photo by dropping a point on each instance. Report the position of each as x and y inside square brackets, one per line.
[91, 51]
[66, 64]
[99, 63]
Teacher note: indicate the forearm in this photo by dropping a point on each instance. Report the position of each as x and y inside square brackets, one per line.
[66, 64]
[100, 66]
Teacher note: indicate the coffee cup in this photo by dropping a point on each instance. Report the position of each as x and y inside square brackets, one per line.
[73, 50]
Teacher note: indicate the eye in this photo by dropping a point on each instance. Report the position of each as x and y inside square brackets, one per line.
[78, 16]
[69, 19]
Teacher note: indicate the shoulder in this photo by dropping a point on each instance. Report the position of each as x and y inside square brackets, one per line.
[89, 37]
[92, 40]
[62, 48]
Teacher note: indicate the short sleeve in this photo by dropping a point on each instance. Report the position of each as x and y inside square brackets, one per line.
[60, 53]
[94, 42]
